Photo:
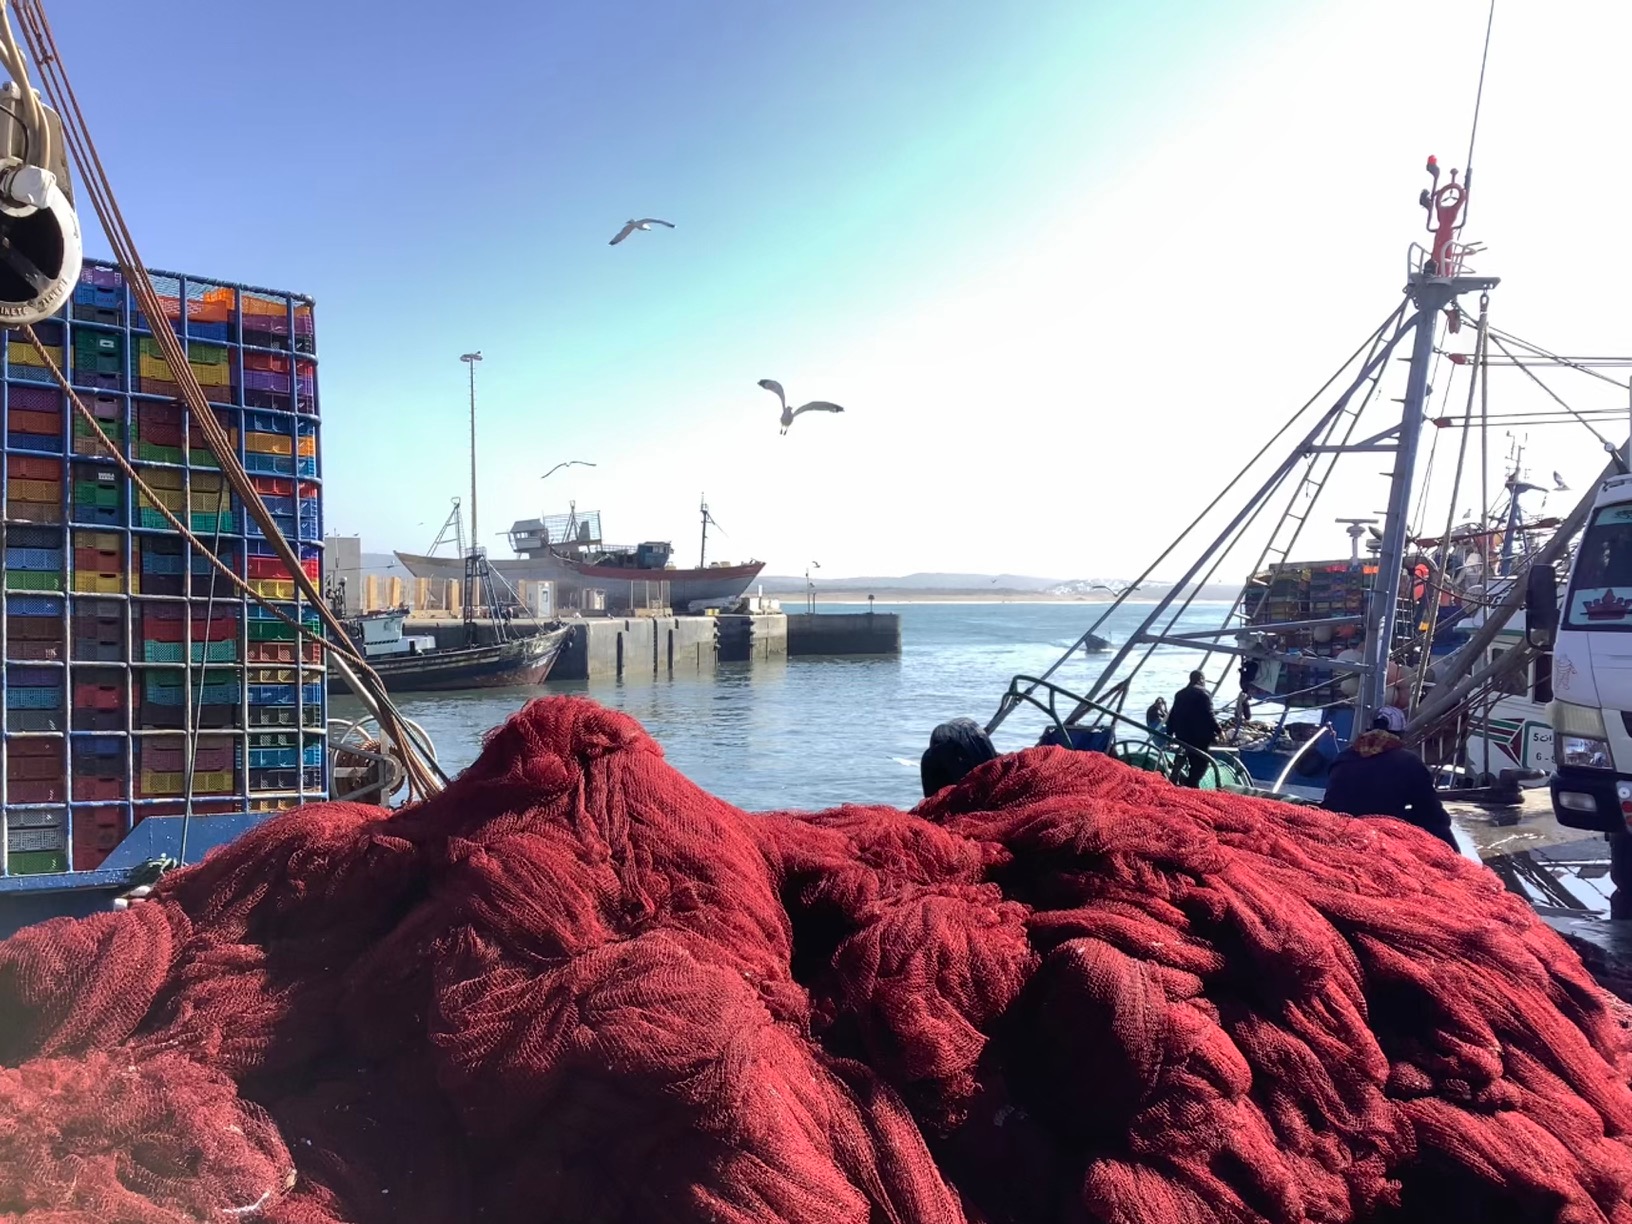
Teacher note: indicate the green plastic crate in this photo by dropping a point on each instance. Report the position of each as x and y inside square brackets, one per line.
[37, 862]
[95, 493]
[32, 580]
[207, 522]
[204, 459]
[154, 453]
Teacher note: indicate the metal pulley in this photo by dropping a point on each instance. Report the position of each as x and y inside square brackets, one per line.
[40, 245]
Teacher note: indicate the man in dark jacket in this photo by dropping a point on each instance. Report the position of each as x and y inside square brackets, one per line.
[955, 748]
[1192, 724]
[1378, 775]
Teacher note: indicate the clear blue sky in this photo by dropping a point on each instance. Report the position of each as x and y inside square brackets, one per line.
[442, 178]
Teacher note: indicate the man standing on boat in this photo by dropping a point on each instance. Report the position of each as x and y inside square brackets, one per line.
[1192, 724]
[1378, 775]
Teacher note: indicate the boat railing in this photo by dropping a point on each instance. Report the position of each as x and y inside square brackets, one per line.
[1152, 750]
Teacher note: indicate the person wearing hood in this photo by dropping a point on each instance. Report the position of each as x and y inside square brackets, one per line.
[1378, 775]
[955, 748]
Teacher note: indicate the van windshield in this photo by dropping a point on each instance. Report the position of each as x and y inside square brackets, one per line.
[1601, 586]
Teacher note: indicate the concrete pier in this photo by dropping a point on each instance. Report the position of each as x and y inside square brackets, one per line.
[611, 647]
[843, 633]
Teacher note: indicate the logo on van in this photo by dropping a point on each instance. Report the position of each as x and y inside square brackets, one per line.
[1607, 606]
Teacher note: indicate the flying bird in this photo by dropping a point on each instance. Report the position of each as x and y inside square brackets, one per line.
[770, 384]
[565, 464]
[633, 225]
[1558, 484]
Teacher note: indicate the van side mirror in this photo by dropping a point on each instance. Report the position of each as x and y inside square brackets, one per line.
[1541, 606]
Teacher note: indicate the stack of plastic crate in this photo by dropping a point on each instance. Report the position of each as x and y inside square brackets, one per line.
[34, 629]
[164, 766]
[34, 420]
[27, 362]
[99, 562]
[35, 700]
[34, 772]
[33, 489]
[98, 495]
[34, 558]
[124, 642]
[101, 772]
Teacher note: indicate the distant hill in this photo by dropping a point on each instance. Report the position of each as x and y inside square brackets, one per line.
[925, 583]
[775, 584]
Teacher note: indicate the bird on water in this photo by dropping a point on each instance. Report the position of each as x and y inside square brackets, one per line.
[770, 384]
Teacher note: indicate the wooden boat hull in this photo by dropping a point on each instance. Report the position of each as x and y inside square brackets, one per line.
[511, 664]
[719, 584]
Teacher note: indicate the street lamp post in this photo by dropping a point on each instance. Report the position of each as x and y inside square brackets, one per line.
[470, 359]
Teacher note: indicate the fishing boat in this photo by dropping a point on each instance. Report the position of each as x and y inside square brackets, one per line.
[568, 550]
[1430, 622]
[414, 664]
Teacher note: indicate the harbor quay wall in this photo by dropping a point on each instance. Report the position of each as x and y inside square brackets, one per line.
[611, 647]
[843, 633]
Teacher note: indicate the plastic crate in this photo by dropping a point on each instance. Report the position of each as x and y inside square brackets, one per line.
[49, 862]
[96, 833]
[98, 583]
[34, 697]
[32, 580]
[34, 558]
[202, 652]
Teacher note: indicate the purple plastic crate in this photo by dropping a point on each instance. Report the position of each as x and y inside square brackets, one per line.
[266, 380]
[102, 278]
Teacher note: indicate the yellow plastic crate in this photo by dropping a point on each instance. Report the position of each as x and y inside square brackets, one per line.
[170, 499]
[308, 447]
[273, 588]
[269, 444]
[24, 353]
[41, 491]
[103, 541]
[99, 584]
[153, 367]
[161, 478]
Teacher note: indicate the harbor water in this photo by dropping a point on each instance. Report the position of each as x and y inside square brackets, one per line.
[815, 732]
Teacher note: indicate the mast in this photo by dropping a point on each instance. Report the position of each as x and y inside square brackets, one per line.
[702, 553]
[1434, 284]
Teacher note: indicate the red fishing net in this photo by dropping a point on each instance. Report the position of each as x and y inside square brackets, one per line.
[575, 987]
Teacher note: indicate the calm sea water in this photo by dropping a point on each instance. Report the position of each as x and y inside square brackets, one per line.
[812, 733]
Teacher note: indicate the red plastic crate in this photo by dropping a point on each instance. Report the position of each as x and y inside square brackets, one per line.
[98, 696]
[98, 788]
[27, 467]
[96, 831]
[38, 791]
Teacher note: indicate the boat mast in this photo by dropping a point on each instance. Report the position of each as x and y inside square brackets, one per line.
[702, 553]
[476, 575]
[1434, 283]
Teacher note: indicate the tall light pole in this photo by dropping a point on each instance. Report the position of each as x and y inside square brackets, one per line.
[470, 359]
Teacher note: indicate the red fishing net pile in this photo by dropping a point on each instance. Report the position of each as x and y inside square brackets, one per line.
[577, 988]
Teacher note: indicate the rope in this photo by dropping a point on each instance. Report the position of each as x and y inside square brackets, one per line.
[423, 777]
[1553, 395]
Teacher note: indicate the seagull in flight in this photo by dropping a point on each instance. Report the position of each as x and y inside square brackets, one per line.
[1558, 484]
[645, 223]
[566, 464]
[770, 384]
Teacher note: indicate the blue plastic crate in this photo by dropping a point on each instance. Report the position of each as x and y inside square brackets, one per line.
[45, 444]
[102, 299]
[96, 515]
[262, 420]
[273, 758]
[286, 524]
[34, 605]
[312, 694]
[272, 694]
[259, 464]
[218, 332]
[306, 467]
[279, 505]
[46, 559]
[18, 372]
[34, 697]
[162, 563]
[312, 755]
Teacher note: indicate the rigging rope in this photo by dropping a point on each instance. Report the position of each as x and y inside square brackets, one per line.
[1553, 395]
[424, 778]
